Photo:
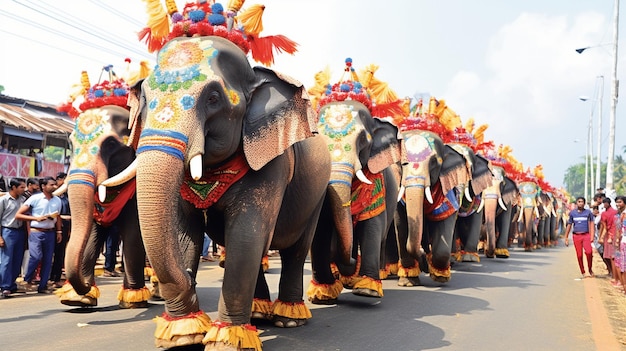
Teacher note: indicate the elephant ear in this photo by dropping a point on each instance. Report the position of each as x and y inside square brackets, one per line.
[509, 191]
[482, 177]
[279, 115]
[453, 169]
[385, 149]
[137, 103]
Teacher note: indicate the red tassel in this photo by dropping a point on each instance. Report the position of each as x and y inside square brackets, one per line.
[391, 109]
[262, 48]
[153, 44]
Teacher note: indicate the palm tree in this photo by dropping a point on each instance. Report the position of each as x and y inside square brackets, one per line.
[619, 174]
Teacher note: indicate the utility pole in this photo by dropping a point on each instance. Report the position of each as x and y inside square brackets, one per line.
[614, 92]
[598, 160]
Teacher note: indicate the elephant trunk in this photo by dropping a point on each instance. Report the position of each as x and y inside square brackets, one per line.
[529, 221]
[159, 176]
[339, 196]
[82, 200]
[414, 197]
[491, 207]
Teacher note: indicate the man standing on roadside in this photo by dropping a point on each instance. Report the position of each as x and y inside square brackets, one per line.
[12, 237]
[607, 237]
[45, 230]
[582, 221]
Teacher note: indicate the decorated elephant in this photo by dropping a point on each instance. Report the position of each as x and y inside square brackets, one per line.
[469, 220]
[499, 202]
[99, 153]
[529, 193]
[363, 188]
[229, 150]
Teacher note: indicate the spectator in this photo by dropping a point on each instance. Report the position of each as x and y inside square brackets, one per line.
[12, 237]
[32, 187]
[207, 250]
[42, 211]
[581, 223]
[607, 238]
[59, 248]
[4, 147]
[620, 240]
[110, 253]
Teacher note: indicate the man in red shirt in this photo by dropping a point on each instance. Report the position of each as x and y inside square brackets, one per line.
[607, 236]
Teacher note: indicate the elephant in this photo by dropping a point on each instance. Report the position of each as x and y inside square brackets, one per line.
[546, 235]
[425, 219]
[230, 150]
[469, 220]
[360, 146]
[499, 203]
[529, 212]
[99, 152]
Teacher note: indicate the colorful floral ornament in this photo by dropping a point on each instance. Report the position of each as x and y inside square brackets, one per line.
[204, 19]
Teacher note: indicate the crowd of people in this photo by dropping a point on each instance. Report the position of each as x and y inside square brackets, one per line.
[36, 226]
[603, 225]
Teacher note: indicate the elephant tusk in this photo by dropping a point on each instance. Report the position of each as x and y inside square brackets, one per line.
[521, 215]
[195, 167]
[429, 195]
[501, 203]
[481, 205]
[553, 212]
[362, 177]
[124, 176]
[536, 212]
[401, 193]
[468, 196]
[61, 190]
[102, 192]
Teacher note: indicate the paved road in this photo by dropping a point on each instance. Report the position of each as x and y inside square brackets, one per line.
[532, 301]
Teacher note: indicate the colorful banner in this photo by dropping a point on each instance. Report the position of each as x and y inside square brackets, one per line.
[15, 165]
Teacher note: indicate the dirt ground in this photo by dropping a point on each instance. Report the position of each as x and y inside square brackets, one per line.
[614, 300]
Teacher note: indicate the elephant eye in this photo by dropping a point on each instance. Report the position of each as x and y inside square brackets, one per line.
[213, 98]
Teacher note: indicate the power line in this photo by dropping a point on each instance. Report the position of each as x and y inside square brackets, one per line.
[118, 13]
[48, 45]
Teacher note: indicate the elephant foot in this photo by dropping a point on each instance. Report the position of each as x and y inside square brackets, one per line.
[366, 292]
[470, 257]
[368, 287]
[225, 336]
[80, 301]
[528, 249]
[68, 296]
[440, 275]
[439, 278]
[324, 294]
[179, 340]
[490, 253]
[130, 305]
[502, 253]
[409, 281]
[284, 322]
[261, 309]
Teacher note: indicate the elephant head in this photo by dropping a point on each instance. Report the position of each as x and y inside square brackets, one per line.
[359, 145]
[99, 152]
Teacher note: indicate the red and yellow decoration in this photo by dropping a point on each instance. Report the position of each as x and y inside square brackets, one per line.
[243, 337]
[169, 328]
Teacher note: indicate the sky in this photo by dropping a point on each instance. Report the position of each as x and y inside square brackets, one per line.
[509, 64]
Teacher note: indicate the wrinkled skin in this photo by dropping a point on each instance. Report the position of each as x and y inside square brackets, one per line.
[99, 153]
[529, 192]
[356, 141]
[427, 163]
[225, 110]
[546, 236]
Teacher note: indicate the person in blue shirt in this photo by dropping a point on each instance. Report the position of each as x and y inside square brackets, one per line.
[581, 224]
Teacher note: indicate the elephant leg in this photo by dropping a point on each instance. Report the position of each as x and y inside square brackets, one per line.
[503, 222]
[469, 229]
[441, 237]
[391, 257]
[134, 293]
[262, 303]
[408, 268]
[369, 234]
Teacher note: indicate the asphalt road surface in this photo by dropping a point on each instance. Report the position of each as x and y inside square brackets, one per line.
[532, 301]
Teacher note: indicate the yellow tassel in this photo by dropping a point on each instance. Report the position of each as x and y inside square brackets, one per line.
[148, 271]
[240, 336]
[197, 323]
[235, 5]
[262, 306]
[67, 292]
[84, 80]
[265, 263]
[324, 291]
[158, 22]
[437, 272]
[134, 77]
[383, 274]
[380, 92]
[393, 268]
[409, 272]
[458, 256]
[251, 19]
[502, 252]
[171, 6]
[348, 282]
[469, 125]
[371, 284]
[295, 310]
[133, 295]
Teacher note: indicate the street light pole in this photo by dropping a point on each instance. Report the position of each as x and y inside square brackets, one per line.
[614, 85]
[599, 152]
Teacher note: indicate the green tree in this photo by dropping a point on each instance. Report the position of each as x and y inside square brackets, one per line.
[574, 179]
